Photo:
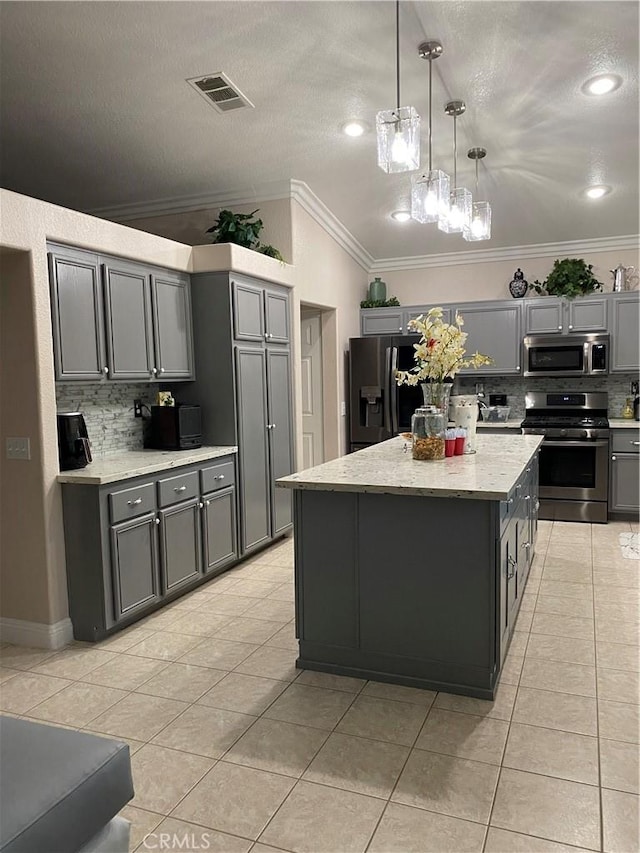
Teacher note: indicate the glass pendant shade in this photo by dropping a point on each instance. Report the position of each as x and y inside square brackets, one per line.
[430, 197]
[459, 219]
[480, 222]
[398, 133]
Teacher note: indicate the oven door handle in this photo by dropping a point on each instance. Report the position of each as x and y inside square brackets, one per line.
[575, 442]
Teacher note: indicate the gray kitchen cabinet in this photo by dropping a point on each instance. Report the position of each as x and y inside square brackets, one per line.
[382, 321]
[129, 332]
[170, 296]
[180, 544]
[125, 557]
[134, 564]
[118, 320]
[244, 386]
[493, 328]
[551, 315]
[77, 315]
[625, 332]
[420, 311]
[219, 537]
[624, 472]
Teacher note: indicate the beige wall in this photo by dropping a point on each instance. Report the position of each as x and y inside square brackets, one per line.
[489, 280]
[191, 227]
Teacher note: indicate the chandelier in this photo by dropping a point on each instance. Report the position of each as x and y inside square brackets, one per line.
[480, 210]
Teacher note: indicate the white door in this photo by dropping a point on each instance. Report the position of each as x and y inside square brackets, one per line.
[311, 352]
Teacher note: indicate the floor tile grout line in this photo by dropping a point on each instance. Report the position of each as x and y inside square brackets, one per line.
[595, 647]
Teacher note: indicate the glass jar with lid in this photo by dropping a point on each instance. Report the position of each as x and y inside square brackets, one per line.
[428, 433]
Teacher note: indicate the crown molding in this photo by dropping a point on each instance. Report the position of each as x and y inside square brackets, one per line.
[319, 211]
[509, 253]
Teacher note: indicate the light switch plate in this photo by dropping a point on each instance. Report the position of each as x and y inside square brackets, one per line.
[343, 409]
[18, 448]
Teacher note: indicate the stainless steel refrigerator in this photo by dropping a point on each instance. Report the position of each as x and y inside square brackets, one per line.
[379, 407]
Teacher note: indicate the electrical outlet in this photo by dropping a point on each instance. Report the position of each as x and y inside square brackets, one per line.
[18, 448]
[137, 408]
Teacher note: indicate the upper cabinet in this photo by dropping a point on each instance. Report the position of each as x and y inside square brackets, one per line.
[117, 319]
[493, 329]
[259, 312]
[549, 315]
[382, 321]
[625, 333]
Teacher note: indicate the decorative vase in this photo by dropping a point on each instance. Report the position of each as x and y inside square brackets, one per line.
[377, 290]
[428, 434]
[518, 286]
[437, 394]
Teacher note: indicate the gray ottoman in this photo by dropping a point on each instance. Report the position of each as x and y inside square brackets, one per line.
[60, 789]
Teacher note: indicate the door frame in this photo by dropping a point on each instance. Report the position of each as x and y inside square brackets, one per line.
[331, 420]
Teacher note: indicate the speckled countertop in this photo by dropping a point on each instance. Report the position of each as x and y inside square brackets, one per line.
[136, 463]
[489, 474]
[623, 423]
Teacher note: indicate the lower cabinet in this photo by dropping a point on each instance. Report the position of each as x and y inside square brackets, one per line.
[125, 556]
[624, 472]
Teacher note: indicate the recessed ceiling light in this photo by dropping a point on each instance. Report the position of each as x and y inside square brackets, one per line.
[401, 215]
[602, 84]
[597, 192]
[354, 128]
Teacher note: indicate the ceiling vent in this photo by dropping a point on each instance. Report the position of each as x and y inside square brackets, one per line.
[219, 92]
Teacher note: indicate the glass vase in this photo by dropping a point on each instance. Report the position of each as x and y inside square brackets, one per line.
[437, 394]
[428, 434]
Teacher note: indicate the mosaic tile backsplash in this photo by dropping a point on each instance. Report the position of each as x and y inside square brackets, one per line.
[515, 387]
[108, 412]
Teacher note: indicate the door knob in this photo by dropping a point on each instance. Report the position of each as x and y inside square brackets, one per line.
[105, 370]
[157, 521]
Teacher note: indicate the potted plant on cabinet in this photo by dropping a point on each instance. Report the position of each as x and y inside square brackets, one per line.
[569, 277]
[243, 230]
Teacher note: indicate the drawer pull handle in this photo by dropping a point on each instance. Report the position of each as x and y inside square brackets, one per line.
[157, 521]
[512, 566]
[105, 370]
[200, 505]
[527, 497]
[207, 503]
[614, 458]
[510, 501]
[180, 489]
[137, 502]
[635, 443]
[219, 477]
[526, 545]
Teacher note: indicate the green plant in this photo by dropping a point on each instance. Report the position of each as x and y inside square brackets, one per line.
[243, 230]
[569, 277]
[380, 303]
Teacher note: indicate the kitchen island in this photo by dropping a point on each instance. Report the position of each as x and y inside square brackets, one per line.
[413, 572]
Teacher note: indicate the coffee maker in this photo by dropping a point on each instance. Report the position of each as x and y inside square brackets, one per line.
[73, 441]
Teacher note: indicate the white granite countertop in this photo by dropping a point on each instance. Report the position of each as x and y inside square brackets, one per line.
[136, 463]
[623, 423]
[489, 474]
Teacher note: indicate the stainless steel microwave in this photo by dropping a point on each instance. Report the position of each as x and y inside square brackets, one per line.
[566, 355]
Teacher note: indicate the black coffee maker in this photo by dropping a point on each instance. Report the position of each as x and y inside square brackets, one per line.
[73, 441]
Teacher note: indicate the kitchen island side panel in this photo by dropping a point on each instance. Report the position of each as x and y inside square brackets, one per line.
[398, 588]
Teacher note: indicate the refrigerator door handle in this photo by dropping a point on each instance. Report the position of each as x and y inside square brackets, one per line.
[393, 395]
[387, 391]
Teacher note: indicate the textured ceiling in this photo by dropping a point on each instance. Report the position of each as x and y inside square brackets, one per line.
[96, 112]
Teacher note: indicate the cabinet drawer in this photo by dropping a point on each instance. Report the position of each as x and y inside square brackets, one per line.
[172, 490]
[129, 503]
[625, 441]
[217, 477]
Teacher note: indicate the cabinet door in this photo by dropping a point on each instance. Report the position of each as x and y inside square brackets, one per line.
[543, 316]
[128, 322]
[420, 311]
[253, 457]
[171, 301]
[494, 331]
[625, 333]
[280, 435]
[511, 571]
[587, 315]
[380, 321]
[219, 529]
[76, 308]
[276, 307]
[134, 564]
[180, 554]
[248, 312]
[625, 483]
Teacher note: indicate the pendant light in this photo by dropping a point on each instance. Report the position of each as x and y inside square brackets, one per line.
[430, 190]
[398, 130]
[459, 219]
[480, 210]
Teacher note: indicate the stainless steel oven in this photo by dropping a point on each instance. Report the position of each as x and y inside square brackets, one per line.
[566, 355]
[574, 456]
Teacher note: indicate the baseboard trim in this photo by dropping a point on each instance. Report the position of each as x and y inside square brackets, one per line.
[37, 634]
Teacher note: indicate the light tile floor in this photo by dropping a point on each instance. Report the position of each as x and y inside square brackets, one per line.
[236, 750]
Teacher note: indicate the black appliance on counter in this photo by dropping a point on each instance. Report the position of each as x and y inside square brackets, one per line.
[176, 427]
[574, 456]
[566, 355]
[73, 441]
[379, 407]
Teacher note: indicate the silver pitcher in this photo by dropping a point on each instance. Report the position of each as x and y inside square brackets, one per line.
[624, 278]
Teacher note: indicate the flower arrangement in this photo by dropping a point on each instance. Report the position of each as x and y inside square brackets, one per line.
[439, 354]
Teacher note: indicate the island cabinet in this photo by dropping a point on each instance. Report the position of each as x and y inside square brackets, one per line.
[624, 472]
[244, 386]
[132, 545]
[422, 577]
[118, 320]
[550, 315]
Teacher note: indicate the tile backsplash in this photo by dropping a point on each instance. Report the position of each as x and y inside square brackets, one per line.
[515, 387]
[108, 412]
